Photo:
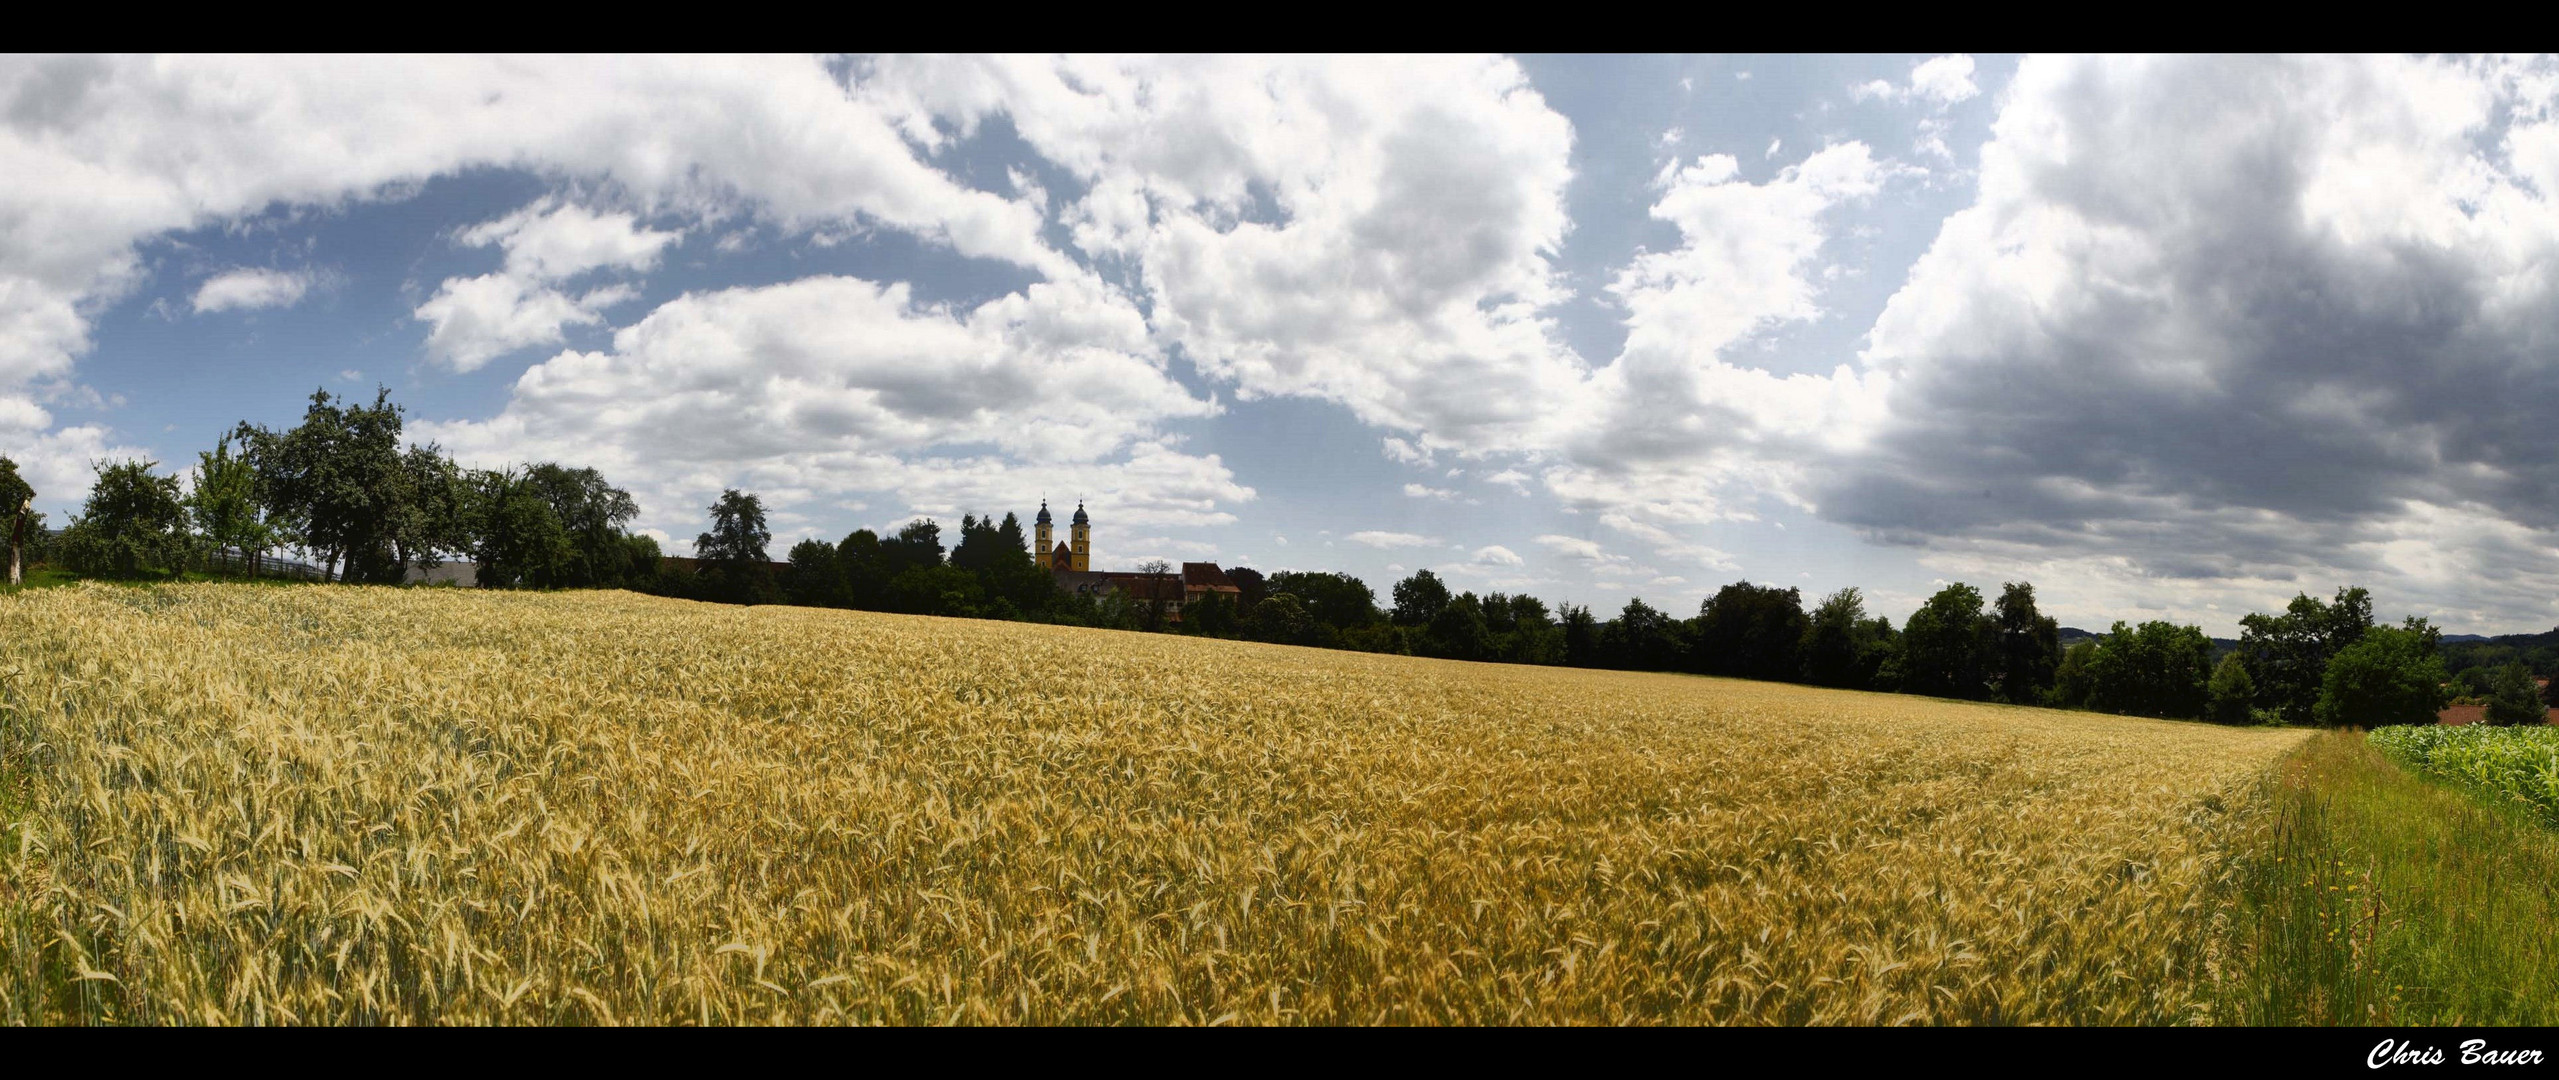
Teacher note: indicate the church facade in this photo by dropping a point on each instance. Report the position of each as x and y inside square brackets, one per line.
[1071, 562]
[1077, 554]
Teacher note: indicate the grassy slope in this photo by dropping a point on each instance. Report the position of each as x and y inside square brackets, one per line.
[2385, 898]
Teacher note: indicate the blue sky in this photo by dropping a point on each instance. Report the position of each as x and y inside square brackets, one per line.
[2167, 337]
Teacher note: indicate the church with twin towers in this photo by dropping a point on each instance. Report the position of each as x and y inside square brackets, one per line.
[1077, 554]
[1071, 563]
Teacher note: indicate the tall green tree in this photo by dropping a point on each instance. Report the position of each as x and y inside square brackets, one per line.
[430, 512]
[1642, 638]
[1458, 631]
[592, 514]
[1522, 630]
[1000, 557]
[976, 549]
[1949, 647]
[2513, 698]
[2390, 675]
[1581, 634]
[732, 559]
[641, 559]
[1009, 537]
[1340, 601]
[938, 589]
[334, 484]
[134, 523]
[224, 504]
[2029, 647]
[1280, 619]
[14, 489]
[15, 496]
[2157, 669]
[2071, 678]
[1842, 646]
[518, 540]
[1750, 631]
[918, 544]
[815, 580]
[2233, 695]
[2288, 654]
[863, 569]
[1419, 599]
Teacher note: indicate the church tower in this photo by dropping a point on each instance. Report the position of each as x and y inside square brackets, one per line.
[1082, 534]
[1040, 546]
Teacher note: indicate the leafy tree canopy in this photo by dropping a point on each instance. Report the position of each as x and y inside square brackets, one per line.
[1419, 599]
[1751, 631]
[14, 489]
[1340, 601]
[2288, 654]
[2514, 699]
[225, 501]
[2389, 675]
[133, 523]
[2232, 693]
[335, 484]
[2029, 649]
[1948, 646]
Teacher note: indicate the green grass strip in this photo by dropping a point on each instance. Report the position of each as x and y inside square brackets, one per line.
[2383, 898]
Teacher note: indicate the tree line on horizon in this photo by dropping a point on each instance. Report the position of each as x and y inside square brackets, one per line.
[2314, 663]
[339, 487]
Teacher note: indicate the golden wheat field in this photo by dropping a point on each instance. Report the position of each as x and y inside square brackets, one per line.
[351, 805]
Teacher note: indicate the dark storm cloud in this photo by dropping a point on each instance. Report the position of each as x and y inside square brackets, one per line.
[2229, 317]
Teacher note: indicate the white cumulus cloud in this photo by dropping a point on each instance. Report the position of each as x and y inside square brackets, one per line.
[816, 388]
[1378, 539]
[476, 319]
[249, 289]
[2217, 329]
[104, 152]
[553, 241]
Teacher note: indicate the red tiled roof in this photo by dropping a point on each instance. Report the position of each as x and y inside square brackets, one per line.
[1206, 575]
[2472, 714]
[1148, 586]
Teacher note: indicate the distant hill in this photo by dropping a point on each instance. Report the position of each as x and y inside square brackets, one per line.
[2517, 641]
